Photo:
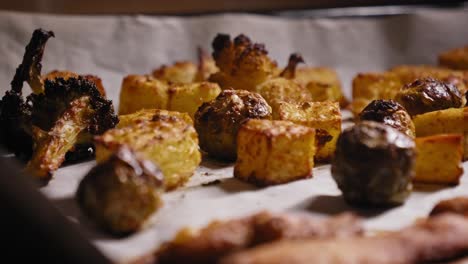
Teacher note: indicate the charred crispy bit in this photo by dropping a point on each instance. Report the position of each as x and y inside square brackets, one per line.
[121, 193]
[290, 71]
[323, 116]
[439, 159]
[219, 239]
[68, 74]
[427, 95]
[167, 140]
[217, 122]
[457, 205]
[66, 109]
[436, 239]
[150, 114]
[373, 164]
[242, 64]
[274, 152]
[456, 59]
[390, 113]
[145, 92]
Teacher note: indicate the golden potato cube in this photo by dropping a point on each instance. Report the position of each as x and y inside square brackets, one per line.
[371, 86]
[179, 72]
[171, 143]
[142, 92]
[145, 115]
[438, 159]
[283, 90]
[187, 98]
[456, 59]
[274, 152]
[323, 116]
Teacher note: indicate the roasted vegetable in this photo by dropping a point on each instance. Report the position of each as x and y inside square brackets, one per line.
[390, 113]
[274, 152]
[217, 122]
[66, 109]
[457, 205]
[121, 193]
[374, 164]
[148, 115]
[242, 64]
[427, 95]
[277, 90]
[325, 117]
[68, 74]
[439, 159]
[456, 59]
[167, 140]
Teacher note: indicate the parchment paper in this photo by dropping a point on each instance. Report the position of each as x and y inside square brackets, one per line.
[112, 47]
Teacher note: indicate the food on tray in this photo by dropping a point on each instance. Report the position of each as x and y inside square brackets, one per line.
[436, 239]
[390, 113]
[427, 95]
[456, 59]
[167, 140]
[385, 85]
[277, 90]
[60, 116]
[145, 92]
[457, 205]
[148, 115]
[439, 159]
[373, 164]
[220, 238]
[68, 74]
[325, 117]
[121, 193]
[274, 152]
[217, 122]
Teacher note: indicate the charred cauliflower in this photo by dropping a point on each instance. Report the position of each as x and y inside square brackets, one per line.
[217, 122]
[121, 193]
[374, 164]
[389, 113]
[427, 95]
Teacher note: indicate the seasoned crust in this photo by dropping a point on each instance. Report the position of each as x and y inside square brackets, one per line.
[68, 74]
[217, 122]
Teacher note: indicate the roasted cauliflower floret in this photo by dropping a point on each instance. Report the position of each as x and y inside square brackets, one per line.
[390, 113]
[374, 164]
[121, 193]
[150, 114]
[325, 117]
[68, 74]
[427, 95]
[242, 64]
[456, 59]
[274, 152]
[217, 122]
[167, 140]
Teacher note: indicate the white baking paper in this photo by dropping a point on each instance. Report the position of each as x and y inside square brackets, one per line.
[112, 47]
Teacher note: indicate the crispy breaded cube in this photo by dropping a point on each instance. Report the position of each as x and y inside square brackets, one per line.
[145, 115]
[274, 152]
[439, 159]
[170, 142]
[187, 98]
[323, 116]
[179, 72]
[280, 89]
[142, 92]
[456, 59]
[371, 86]
[323, 83]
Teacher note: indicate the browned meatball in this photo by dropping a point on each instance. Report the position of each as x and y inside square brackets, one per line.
[121, 193]
[428, 94]
[389, 113]
[218, 121]
[373, 164]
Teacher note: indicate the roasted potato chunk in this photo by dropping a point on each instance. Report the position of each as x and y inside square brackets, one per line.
[374, 164]
[274, 152]
[439, 159]
[150, 114]
[179, 72]
[217, 122]
[168, 141]
[323, 116]
[427, 95]
[456, 59]
[144, 92]
[242, 64]
[279, 89]
[121, 193]
[390, 113]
